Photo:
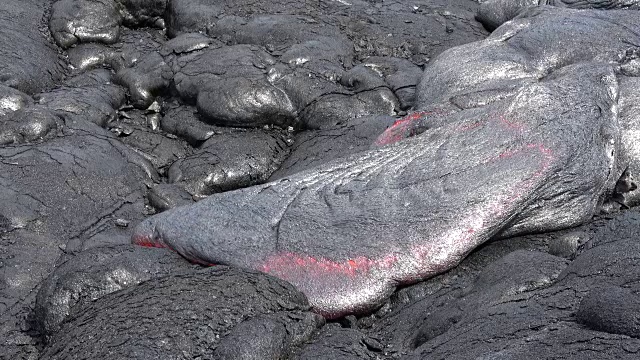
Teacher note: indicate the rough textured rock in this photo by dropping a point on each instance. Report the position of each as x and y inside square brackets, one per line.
[31, 124]
[366, 94]
[94, 273]
[28, 61]
[141, 131]
[493, 13]
[147, 79]
[167, 196]
[285, 329]
[60, 195]
[190, 15]
[230, 87]
[133, 46]
[231, 161]
[629, 119]
[74, 21]
[532, 318]
[418, 30]
[89, 96]
[183, 121]
[325, 90]
[334, 342]
[611, 309]
[78, 21]
[567, 246]
[401, 75]
[313, 148]
[188, 315]
[502, 281]
[12, 100]
[26, 258]
[143, 12]
[29, 174]
[316, 44]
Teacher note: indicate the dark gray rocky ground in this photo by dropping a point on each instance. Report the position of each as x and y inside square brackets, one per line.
[115, 110]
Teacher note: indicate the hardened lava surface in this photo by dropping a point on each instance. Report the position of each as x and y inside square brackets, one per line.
[332, 179]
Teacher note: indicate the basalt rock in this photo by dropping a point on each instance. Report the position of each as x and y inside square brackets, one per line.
[94, 273]
[30, 63]
[230, 161]
[206, 313]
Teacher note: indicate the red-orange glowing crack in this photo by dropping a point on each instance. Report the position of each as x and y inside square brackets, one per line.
[401, 129]
[286, 265]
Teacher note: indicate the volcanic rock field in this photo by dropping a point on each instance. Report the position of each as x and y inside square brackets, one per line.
[319, 179]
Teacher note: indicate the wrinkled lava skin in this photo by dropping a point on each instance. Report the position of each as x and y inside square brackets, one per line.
[522, 135]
